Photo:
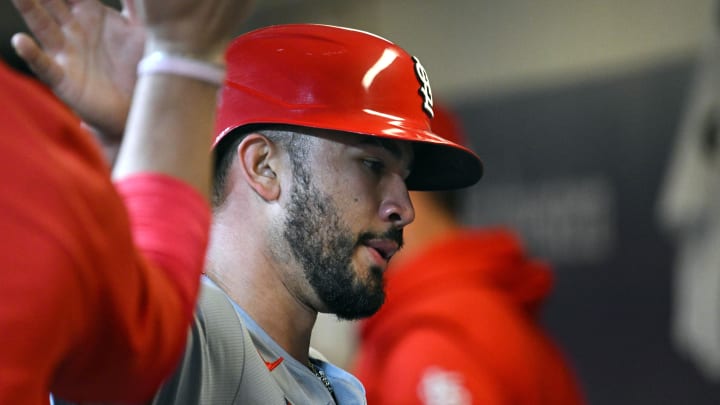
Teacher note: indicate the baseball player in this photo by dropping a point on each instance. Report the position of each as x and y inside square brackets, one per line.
[321, 132]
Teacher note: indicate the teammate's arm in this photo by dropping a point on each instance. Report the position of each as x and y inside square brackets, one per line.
[163, 176]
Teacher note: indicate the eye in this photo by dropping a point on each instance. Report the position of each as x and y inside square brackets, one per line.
[377, 166]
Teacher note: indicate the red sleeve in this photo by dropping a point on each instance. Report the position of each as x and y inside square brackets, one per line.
[429, 368]
[170, 223]
[90, 310]
[149, 286]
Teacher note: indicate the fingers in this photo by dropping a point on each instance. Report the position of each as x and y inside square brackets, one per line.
[41, 23]
[201, 28]
[38, 61]
[58, 9]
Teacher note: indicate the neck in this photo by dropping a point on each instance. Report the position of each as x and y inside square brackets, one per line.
[254, 280]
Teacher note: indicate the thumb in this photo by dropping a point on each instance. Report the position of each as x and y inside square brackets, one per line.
[44, 67]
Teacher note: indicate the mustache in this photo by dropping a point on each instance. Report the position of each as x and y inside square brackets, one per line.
[393, 234]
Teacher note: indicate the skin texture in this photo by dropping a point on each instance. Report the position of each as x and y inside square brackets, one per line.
[324, 244]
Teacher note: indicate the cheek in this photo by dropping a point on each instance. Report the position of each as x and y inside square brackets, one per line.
[354, 193]
[359, 208]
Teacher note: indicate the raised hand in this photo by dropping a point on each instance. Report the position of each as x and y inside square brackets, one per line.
[199, 29]
[87, 53]
[170, 126]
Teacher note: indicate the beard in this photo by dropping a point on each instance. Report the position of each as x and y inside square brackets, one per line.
[324, 246]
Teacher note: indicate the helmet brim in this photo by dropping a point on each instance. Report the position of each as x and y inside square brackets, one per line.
[438, 164]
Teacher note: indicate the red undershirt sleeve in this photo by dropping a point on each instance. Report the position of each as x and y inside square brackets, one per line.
[170, 227]
[148, 292]
[159, 206]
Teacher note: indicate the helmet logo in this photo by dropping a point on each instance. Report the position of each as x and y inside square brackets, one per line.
[424, 90]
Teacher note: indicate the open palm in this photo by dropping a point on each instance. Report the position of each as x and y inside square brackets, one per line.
[87, 53]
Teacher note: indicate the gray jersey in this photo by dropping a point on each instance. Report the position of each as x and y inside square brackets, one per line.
[230, 360]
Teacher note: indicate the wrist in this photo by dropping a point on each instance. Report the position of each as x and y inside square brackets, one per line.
[162, 62]
[209, 54]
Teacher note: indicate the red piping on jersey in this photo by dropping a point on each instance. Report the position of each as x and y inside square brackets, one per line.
[272, 365]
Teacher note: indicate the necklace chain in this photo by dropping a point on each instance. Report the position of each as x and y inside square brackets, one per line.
[321, 375]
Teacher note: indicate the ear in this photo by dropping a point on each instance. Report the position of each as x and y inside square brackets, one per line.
[259, 161]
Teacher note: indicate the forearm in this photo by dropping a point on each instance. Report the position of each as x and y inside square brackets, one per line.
[169, 129]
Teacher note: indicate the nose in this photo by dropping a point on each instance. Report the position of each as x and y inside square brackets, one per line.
[396, 206]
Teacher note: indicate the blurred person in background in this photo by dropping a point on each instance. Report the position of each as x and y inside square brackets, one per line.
[461, 321]
[688, 209]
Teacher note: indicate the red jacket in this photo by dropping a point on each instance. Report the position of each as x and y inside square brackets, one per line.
[90, 308]
[459, 327]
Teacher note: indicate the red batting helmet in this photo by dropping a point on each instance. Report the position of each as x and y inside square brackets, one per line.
[341, 79]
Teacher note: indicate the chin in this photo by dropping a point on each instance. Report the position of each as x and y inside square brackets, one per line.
[358, 306]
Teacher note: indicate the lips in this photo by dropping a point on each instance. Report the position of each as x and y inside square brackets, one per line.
[386, 248]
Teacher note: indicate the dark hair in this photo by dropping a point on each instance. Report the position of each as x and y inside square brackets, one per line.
[225, 153]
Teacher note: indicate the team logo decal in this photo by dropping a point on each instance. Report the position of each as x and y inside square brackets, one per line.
[424, 90]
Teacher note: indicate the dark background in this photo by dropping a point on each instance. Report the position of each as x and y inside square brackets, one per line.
[577, 170]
